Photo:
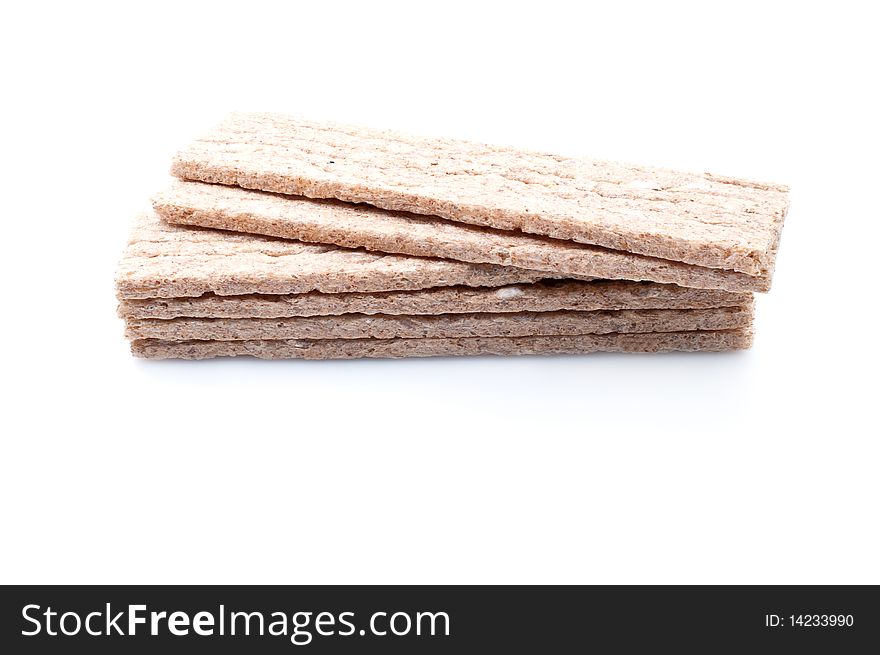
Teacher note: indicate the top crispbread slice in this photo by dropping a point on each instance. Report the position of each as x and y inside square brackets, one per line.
[168, 261]
[701, 219]
[356, 226]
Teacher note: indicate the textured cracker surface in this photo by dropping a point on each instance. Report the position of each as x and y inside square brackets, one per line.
[168, 261]
[393, 348]
[551, 295]
[364, 226]
[520, 324]
[702, 219]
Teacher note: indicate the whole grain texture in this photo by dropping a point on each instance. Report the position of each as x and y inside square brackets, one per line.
[544, 296]
[168, 261]
[364, 226]
[518, 324]
[714, 341]
[697, 218]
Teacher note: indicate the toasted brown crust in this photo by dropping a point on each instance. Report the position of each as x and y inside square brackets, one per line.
[701, 219]
[394, 348]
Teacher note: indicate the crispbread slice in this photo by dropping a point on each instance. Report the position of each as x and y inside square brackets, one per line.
[353, 348]
[519, 324]
[550, 295]
[167, 261]
[701, 219]
[355, 226]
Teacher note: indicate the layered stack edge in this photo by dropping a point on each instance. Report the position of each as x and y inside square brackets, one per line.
[296, 300]
[220, 270]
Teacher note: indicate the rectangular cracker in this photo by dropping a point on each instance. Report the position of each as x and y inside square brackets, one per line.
[545, 296]
[167, 261]
[364, 226]
[713, 341]
[703, 219]
[445, 326]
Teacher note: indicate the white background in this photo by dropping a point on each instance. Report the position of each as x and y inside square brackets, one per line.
[758, 467]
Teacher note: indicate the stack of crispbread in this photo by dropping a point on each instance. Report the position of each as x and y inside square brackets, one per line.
[456, 248]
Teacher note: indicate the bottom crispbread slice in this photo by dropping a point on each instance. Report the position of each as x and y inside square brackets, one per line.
[709, 341]
[545, 296]
[520, 324]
